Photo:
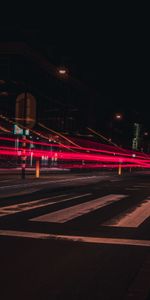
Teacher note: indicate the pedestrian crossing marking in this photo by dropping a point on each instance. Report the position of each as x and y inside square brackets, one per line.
[70, 213]
[21, 207]
[132, 218]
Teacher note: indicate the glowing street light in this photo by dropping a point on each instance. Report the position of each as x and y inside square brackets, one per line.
[62, 72]
[118, 116]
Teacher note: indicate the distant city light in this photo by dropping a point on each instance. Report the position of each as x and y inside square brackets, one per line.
[62, 71]
[118, 116]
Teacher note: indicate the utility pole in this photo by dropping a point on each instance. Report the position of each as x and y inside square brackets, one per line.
[25, 116]
[23, 157]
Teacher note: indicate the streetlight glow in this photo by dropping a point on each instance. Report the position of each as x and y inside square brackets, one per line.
[62, 71]
[118, 116]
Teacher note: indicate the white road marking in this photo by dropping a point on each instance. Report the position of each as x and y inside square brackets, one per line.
[113, 180]
[15, 208]
[80, 239]
[66, 214]
[132, 189]
[141, 186]
[5, 180]
[19, 193]
[134, 218]
[52, 181]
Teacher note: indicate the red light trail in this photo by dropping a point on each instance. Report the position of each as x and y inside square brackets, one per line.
[100, 160]
[78, 153]
[128, 153]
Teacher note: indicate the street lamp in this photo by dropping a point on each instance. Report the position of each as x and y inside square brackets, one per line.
[62, 72]
[118, 116]
[115, 127]
[63, 76]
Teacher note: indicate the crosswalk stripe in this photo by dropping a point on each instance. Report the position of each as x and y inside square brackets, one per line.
[66, 214]
[80, 239]
[15, 208]
[132, 218]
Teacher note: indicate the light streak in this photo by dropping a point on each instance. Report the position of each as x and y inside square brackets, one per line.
[74, 155]
[61, 135]
[106, 148]
[104, 138]
[108, 152]
[106, 160]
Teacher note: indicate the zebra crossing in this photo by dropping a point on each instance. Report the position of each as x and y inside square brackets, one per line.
[27, 206]
[83, 204]
[69, 213]
[132, 218]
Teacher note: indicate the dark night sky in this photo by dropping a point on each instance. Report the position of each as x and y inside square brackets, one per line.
[106, 51]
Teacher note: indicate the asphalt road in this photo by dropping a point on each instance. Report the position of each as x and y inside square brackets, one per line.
[75, 236]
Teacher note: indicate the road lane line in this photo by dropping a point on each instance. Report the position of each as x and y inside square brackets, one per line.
[5, 180]
[141, 186]
[15, 208]
[52, 181]
[115, 180]
[80, 239]
[69, 213]
[18, 193]
[132, 189]
[132, 218]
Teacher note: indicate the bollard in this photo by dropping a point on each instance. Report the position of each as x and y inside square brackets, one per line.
[119, 169]
[37, 168]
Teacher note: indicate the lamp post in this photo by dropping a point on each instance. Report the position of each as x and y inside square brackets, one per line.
[115, 127]
[62, 72]
[63, 75]
[26, 116]
[118, 116]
